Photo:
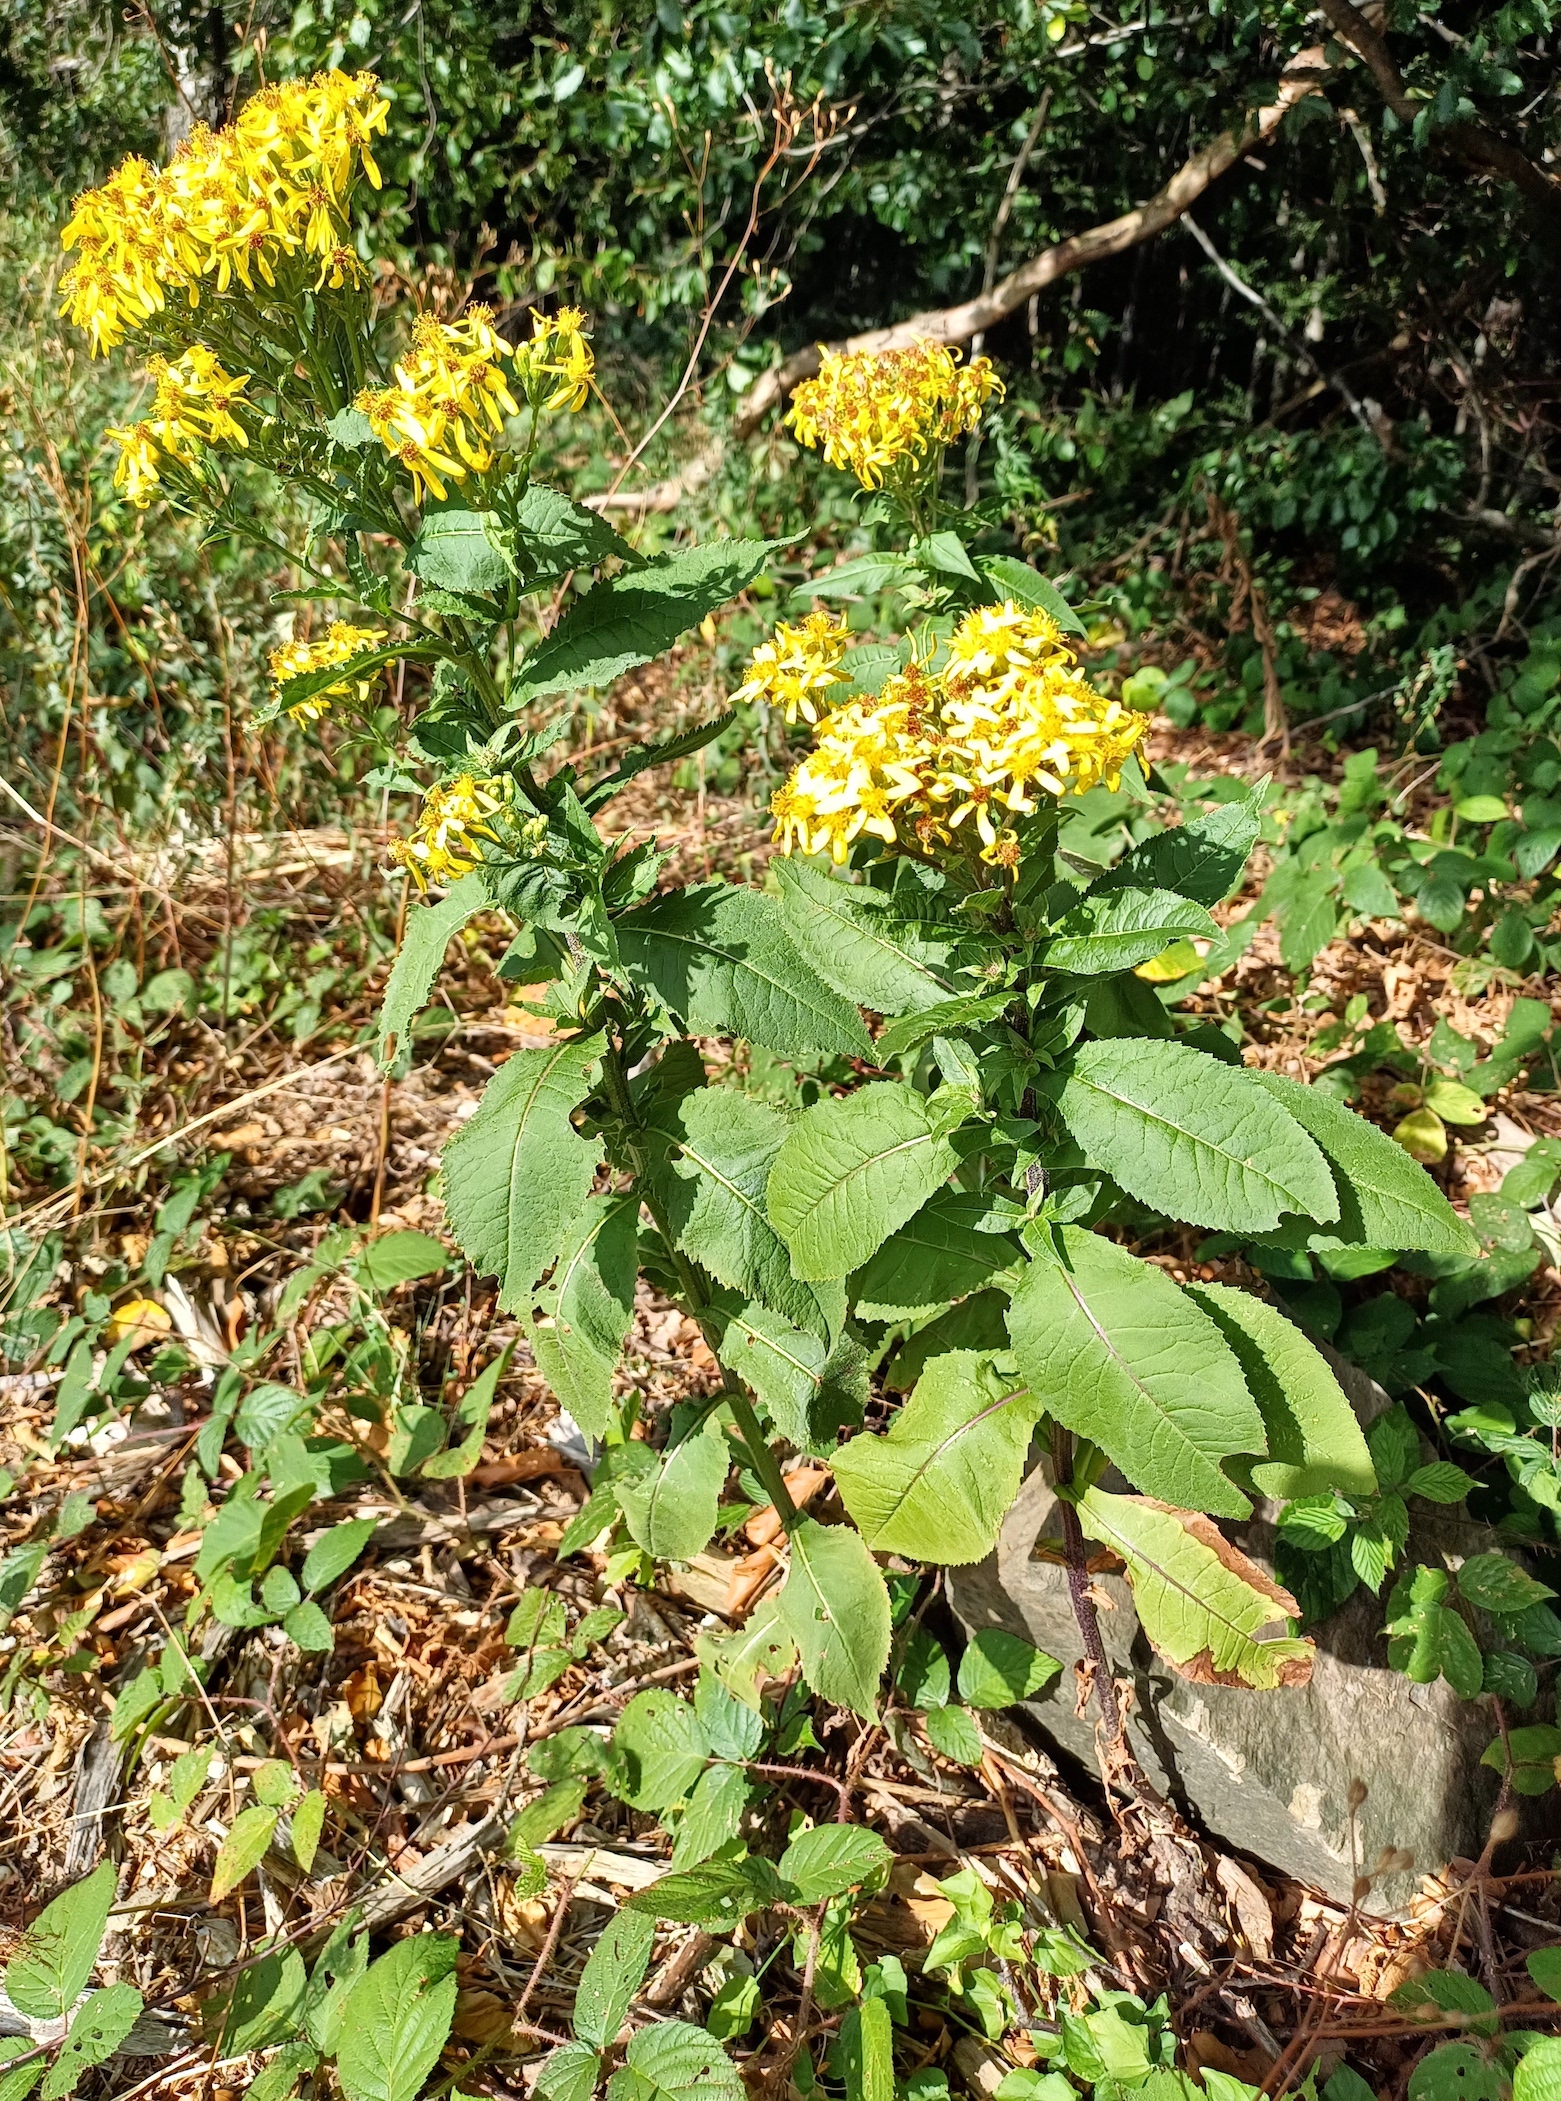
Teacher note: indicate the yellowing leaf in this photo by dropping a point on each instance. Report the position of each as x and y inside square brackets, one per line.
[1455, 1103]
[1202, 1603]
[1180, 960]
[1423, 1136]
[142, 1318]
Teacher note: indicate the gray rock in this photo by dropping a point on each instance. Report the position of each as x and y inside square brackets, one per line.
[1270, 1772]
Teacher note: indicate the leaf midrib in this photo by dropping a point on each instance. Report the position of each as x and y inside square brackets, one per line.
[951, 1438]
[708, 948]
[1195, 1138]
[1203, 1459]
[864, 929]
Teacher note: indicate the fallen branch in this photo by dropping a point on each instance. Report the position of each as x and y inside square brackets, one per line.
[1304, 75]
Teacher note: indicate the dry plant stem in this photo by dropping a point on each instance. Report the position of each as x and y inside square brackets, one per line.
[1076, 1561]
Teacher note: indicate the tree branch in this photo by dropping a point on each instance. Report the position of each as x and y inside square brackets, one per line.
[1474, 144]
[1303, 76]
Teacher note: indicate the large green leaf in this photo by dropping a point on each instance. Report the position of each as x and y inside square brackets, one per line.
[517, 1173]
[938, 1487]
[46, 1975]
[396, 2019]
[1118, 929]
[674, 2061]
[1314, 1440]
[836, 1609]
[724, 1145]
[853, 1169]
[1113, 1350]
[429, 930]
[939, 1255]
[859, 943]
[1011, 578]
[1195, 1138]
[832, 1858]
[629, 619]
[658, 1750]
[1386, 1199]
[1202, 860]
[812, 1388]
[671, 1512]
[553, 534]
[1202, 1604]
[719, 957]
[586, 1307]
[95, 2034]
[460, 551]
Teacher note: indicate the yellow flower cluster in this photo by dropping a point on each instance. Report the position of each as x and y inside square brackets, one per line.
[1006, 716]
[230, 205]
[888, 415]
[451, 395]
[339, 645]
[797, 667]
[193, 406]
[446, 840]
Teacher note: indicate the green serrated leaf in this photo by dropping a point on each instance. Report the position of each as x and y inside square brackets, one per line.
[998, 1669]
[952, 1732]
[713, 1817]
[460, 551]
[941, 1254]
[95, 2034]
[1203, 860]
[629, 619]
[1193, 1137]
[674, 2061]
[720, 958]
[658, 1750]
[1314, 1440]
[243, 1849]
[583, 1314]
[832, 1858]
[671, 1512]
[396, 2019]
[811, 1389]
[1202, 1603]
[614, 1972]
[1117, 1353]
[851, 1171]
[429, 930]
[835, 1607]
[1386, 1199]
[553, 534]
[517, 1173]
[1119, 928]
[1012, 578]
[329, 1559]
[860, 945]
[938, 1487]
[48, 1972]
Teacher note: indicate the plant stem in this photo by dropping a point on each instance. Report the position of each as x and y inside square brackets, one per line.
[1077, 1565]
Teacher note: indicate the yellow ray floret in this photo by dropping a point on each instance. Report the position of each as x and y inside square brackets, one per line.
[230, 206]
[887, 415]
[797, 667]
[457, 817]
[1006, 717]
[339, 645]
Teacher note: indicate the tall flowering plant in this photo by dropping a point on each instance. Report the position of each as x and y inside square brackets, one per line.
[995, 1105]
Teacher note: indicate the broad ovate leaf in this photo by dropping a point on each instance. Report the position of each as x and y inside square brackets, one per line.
[835, 1607]
[1120, 928]
[1193, 1137]
[1117, 1353]
[55, 1957]
[517, 1173]
[671, 1510]
[720, 958]
[397, 2018]
[860, 945]
[938, 1486]
[1204, 1605]
[852, 1170]
[1314, 1440]
[940, 1254]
